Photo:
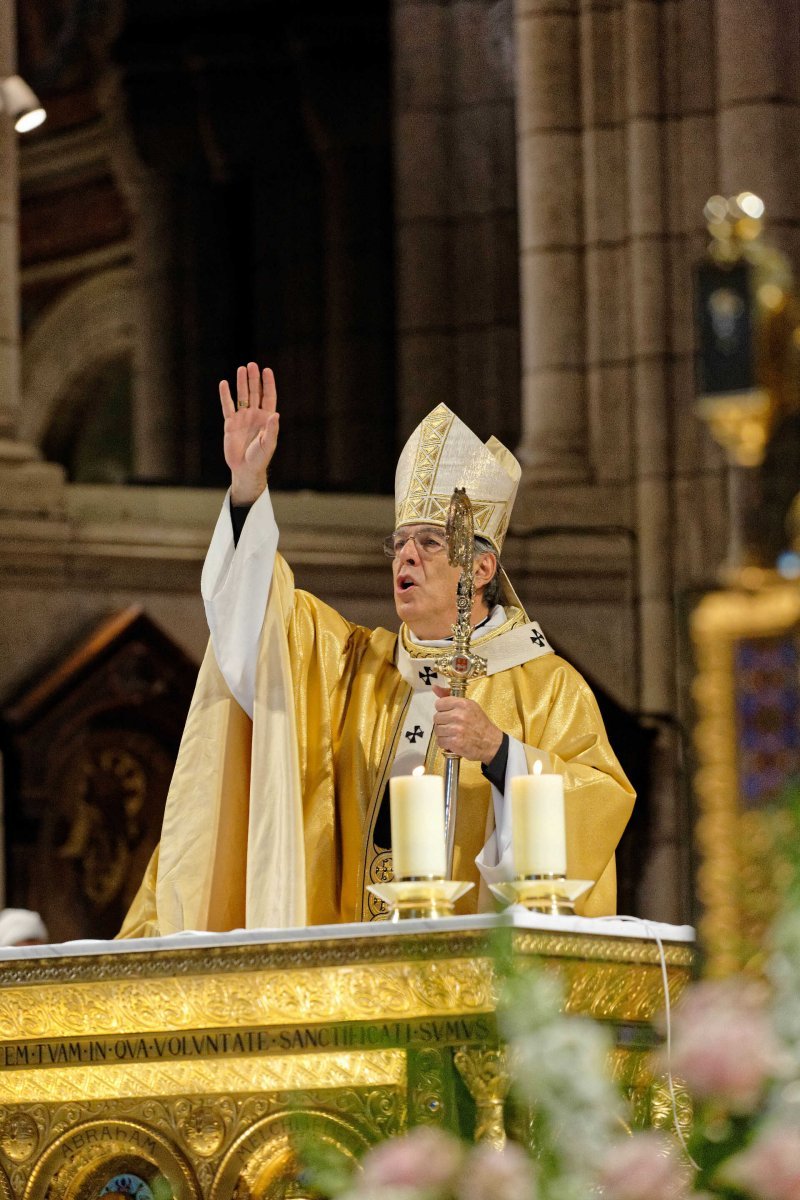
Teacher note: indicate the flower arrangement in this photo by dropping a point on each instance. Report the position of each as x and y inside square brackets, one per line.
[735, 1046]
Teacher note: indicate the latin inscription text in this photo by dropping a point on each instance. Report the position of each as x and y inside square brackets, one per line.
[156, 1047]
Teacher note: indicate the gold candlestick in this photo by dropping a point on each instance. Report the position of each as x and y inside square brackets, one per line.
[552, 894]
[429, 897]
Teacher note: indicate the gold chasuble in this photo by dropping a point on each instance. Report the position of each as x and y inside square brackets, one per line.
[282, 820]
[229, 857]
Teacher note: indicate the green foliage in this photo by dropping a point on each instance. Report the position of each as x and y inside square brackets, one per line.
[716, 1138]
[326, 1171]
[788, 845]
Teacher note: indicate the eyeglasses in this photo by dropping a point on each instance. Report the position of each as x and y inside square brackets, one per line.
[429, 542]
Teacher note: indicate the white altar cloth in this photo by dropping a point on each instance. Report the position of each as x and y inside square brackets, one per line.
[516, 918]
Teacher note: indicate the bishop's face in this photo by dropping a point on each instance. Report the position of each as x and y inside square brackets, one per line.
[424, 582]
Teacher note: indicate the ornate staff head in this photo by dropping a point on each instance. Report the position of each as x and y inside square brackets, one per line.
[460, 531]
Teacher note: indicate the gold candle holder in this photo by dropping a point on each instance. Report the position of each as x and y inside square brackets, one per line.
[421, 897]
[553, 894]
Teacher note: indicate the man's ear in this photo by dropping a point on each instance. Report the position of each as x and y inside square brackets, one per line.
[485, 569]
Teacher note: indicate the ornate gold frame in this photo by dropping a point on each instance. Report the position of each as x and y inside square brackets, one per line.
[732, 876]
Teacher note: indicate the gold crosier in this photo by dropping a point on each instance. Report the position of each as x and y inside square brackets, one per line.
[460, 665]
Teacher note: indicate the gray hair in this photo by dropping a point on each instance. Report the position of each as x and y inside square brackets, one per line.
[492, 590]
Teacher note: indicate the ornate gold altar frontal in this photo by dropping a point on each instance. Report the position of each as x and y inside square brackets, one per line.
[747, 736]
[176, 1074]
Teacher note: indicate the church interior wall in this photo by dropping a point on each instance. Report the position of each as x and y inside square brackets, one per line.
[503, 214]
[456, 225]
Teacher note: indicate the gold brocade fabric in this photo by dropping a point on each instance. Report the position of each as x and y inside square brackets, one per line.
[349, 701]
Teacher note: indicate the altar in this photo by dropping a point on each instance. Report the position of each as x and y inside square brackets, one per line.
[179, 1068]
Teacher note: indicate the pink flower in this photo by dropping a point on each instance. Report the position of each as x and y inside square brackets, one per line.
[770, 1167]
[722, 1045]
[491, 1174]
[425, 1160]
[645, 1166]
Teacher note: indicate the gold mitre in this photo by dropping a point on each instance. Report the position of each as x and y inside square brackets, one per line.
[442, 454]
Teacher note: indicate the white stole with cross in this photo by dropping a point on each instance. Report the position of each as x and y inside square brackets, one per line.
[511, 649]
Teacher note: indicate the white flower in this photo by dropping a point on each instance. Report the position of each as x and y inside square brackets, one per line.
[490, 1174]
[563, 1073]
[784, 973]
[646, 1166]
[425, 1160]
[365, 1191]
[723, 1044]
[770, 1166]
[530, 1001]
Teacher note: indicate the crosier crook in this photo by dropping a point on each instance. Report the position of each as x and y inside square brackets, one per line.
[460, 665]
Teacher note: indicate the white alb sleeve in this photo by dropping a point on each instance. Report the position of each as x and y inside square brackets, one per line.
[235, 588]
[495, 861]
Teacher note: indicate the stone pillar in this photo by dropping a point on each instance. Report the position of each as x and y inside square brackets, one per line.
[550, 183]
[9, 242]
[29, 490]
[422, 168]
[27, 487]
[648, 258]
[157, 404]
[605, 225]
[155, 383]
[456, 224]
[355, 172]
[483, 230]
[758, 98]
[693, 174]
[647, 262]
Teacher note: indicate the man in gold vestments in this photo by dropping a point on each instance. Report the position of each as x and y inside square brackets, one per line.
[277, 814]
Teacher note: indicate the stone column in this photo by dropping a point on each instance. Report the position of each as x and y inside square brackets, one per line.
[422, 170]
[357, 303]
[9, 242]
[456, 223]
[605, 224]
[155, 383]
[647, 260]
[550, 180]
[157, 404]
[483, 230]
[758, 99]
[26, 486]
[693, 174]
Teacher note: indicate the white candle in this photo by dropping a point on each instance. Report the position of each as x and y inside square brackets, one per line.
[538, 832]
[417, 808]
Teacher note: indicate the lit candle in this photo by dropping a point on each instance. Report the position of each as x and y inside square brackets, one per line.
[417, 809]
[538, 833]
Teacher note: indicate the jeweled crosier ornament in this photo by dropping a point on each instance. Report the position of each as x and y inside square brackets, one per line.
[460, 665]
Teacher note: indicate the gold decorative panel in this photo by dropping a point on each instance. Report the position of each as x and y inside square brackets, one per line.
[88, 1160]
[384, 1068]
[262, 1161]
[747, 700]
[108, 1012]
[189, 1072]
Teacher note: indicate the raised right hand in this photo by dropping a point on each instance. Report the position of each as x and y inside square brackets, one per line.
[251, 430]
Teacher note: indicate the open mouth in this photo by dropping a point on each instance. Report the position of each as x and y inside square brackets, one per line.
[404, 583]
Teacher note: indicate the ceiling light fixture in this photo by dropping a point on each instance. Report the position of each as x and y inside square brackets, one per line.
[21, 103]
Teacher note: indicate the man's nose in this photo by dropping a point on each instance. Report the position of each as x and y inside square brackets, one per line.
[408, 552]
